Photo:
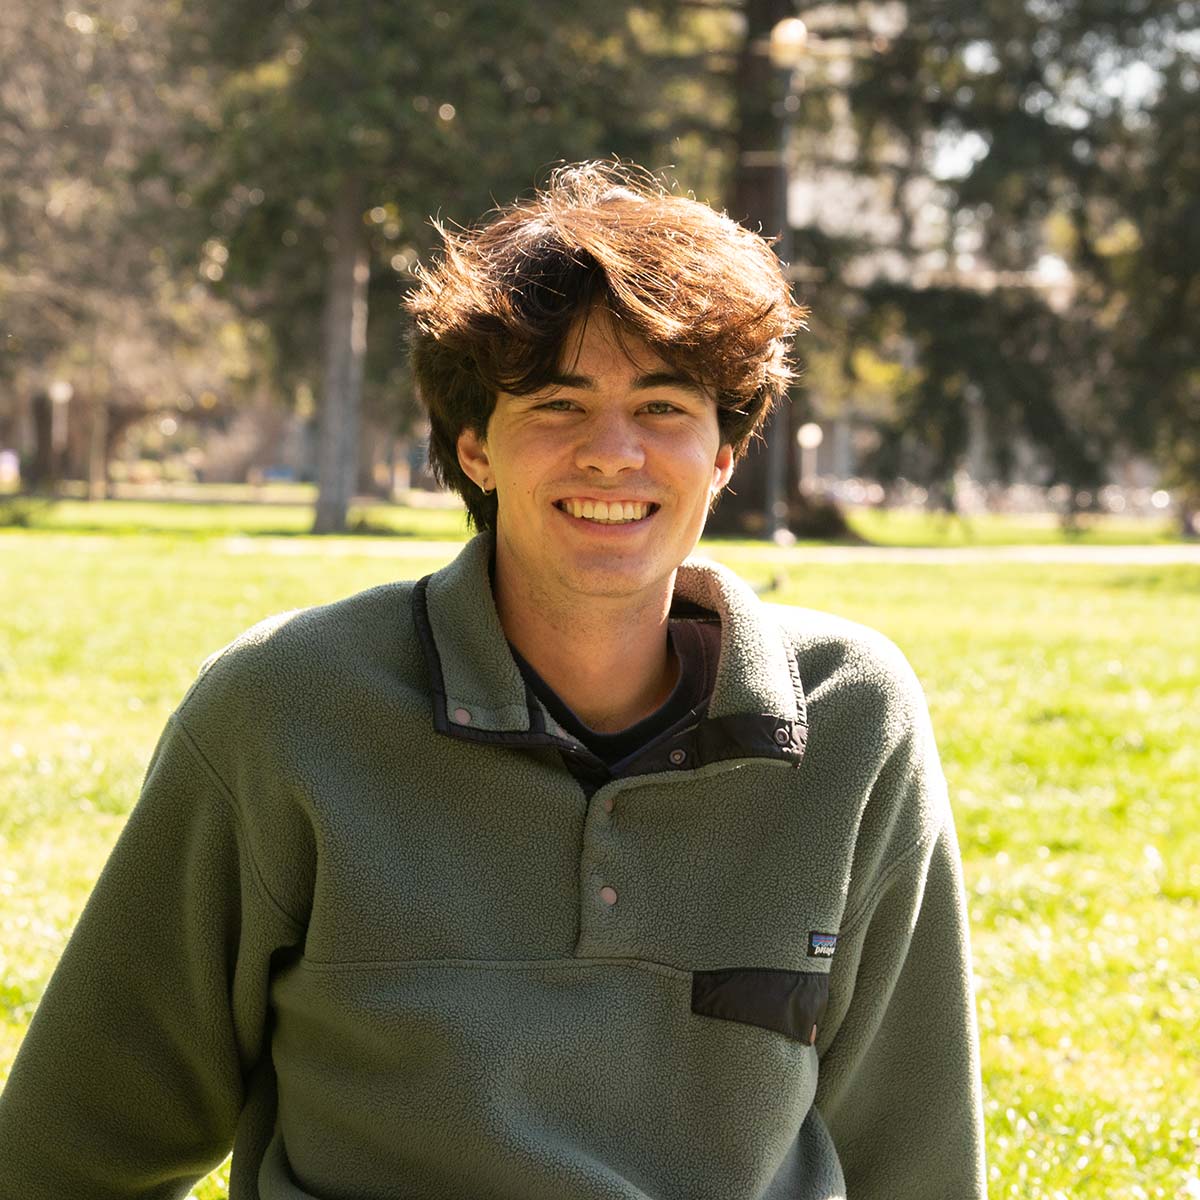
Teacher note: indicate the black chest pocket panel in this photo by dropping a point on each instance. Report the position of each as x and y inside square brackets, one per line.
[789, 1002]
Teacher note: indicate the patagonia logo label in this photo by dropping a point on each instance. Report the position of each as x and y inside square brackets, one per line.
[821, 945]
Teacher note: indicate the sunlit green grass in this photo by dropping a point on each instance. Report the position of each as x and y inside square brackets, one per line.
[913, 527]
[1064, 699]
[220, 520]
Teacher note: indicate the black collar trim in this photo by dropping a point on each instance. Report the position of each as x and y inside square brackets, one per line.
[708, 740]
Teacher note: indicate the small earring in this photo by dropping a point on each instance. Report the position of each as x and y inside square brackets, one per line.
[483, 487]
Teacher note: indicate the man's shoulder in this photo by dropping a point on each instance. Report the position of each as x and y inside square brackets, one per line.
[808, 629]
[836, 655]
[866, 708]
[293, 656]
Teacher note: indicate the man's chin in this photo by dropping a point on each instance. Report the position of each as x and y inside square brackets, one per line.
[612, 580]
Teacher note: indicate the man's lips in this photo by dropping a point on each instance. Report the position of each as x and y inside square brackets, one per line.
[617, 511]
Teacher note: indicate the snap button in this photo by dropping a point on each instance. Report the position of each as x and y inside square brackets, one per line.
[677, 757]
[608, 895]
[608, 803]
[782, 736]
[462, 716]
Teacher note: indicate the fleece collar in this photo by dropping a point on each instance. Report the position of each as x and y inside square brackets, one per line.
[757, 707]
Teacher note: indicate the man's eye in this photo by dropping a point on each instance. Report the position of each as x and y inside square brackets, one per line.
[658, 408]
[557, 405]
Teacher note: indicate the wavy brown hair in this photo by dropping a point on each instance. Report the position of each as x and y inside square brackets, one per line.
[493, 314]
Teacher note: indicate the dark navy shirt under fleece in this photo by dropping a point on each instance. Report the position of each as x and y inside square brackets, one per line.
[698, 646]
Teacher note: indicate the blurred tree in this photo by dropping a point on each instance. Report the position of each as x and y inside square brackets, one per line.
[1147, 265]
[994, 206]
[333, 133]
[91, 313]
[1040, 163]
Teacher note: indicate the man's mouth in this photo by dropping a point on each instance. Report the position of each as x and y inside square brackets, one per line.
[610, 512]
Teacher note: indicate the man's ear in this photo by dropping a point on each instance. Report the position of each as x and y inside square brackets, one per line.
[473, 458]
[722, 468]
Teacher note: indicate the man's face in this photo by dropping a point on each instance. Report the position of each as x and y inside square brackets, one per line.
[604, 478]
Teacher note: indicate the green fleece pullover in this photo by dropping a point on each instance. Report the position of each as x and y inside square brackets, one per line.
[364, 927]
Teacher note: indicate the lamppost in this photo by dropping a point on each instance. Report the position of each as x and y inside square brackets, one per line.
[786, 48]
[791, 49]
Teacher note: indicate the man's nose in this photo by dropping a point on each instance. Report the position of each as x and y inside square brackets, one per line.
[611, 443]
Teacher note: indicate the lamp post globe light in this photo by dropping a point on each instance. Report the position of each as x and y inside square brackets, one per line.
[809, 438]
[788, 42]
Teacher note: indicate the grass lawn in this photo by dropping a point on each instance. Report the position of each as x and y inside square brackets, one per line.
[199, 520]
[288, 516]
[913, 527]
[1064, 699]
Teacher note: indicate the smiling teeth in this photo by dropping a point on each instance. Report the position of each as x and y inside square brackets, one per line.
[616, 513]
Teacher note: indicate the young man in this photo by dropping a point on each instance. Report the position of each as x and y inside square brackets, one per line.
[572, 871]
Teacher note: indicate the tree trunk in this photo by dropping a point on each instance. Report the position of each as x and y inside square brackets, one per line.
[98, 443]
[344, 353]
[1189, 518]
[42, 475]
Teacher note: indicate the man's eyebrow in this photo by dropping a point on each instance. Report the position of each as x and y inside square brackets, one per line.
[668, 379]
[583, 382]
[652, 379]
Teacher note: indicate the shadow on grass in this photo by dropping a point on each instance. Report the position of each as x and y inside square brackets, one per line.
[1182, 580]
[23, 511]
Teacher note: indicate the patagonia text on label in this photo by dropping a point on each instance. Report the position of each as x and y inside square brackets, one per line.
[821, 945]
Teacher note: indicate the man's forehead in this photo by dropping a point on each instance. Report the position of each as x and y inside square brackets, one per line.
[597, 348]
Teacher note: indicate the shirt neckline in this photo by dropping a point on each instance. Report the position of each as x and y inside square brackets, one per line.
[689, 696]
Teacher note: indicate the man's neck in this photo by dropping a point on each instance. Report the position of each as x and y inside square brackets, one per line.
[610, 663]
